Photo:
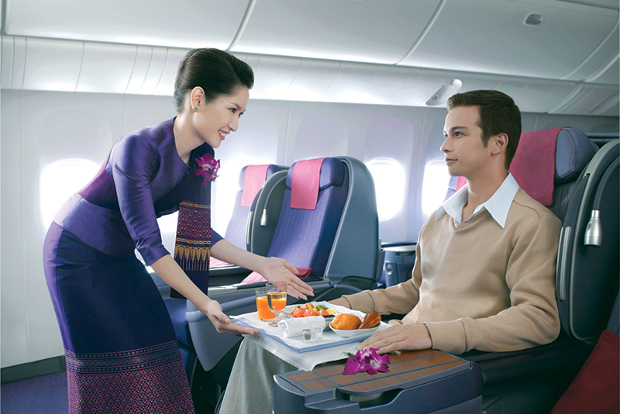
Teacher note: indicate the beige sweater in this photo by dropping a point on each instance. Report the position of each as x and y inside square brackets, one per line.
[480, 286]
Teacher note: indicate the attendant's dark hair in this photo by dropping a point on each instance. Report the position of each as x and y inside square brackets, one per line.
[498, 113]
[215, 71]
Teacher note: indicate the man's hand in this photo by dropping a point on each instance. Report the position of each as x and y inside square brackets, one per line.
[399, 338]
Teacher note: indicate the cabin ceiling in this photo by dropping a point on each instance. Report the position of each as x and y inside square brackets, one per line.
[550, 55]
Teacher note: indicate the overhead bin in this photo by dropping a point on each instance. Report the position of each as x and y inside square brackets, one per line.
[549, 39]
[184, 24]
[75, 66]
[492, 37]
[359, 31]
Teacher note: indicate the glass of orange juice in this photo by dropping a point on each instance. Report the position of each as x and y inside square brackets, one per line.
[276, 298]
[262, 305]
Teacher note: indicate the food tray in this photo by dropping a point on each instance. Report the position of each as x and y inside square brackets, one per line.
[330, 338]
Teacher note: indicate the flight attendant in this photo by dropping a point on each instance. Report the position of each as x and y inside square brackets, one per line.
[120, 346]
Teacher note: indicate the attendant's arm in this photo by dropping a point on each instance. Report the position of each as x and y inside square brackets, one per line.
[171, 273]
[272, 268]
[532, 319]
[132, 176]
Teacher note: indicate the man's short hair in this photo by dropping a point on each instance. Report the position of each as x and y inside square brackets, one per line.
[498, 113]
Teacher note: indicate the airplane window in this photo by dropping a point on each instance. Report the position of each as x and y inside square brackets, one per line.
[434, 186]
[168, 223]
[389, 178]
[59, 181]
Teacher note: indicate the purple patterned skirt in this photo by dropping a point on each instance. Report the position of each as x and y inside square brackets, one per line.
[122, 354]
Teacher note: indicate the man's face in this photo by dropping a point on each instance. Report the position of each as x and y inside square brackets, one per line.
[463, 148]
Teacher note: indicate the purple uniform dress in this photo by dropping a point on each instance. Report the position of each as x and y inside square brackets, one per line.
[121, 350]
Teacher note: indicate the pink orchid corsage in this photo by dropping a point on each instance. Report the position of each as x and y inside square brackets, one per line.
[207, 168]
[367, 360]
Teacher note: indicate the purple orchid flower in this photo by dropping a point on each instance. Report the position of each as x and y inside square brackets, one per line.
[377, 362]
[366, 360]
[364, 355]
[207, 168]
[352, 367]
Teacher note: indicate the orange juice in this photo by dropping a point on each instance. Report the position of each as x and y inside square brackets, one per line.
[263, 309]
[278, 300]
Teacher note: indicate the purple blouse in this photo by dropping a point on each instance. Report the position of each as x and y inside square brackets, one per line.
[142, 179]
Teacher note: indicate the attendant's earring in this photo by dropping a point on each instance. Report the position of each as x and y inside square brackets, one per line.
[196, 109]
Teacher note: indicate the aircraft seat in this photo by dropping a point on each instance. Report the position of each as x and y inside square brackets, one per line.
[328, 239]
[304, 235]
[251, 179]
[573, 150]
[533, 379]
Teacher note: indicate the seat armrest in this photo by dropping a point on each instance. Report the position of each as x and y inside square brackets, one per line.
[563, 356]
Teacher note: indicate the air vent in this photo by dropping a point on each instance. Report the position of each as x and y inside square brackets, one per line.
[442, 94]
[533, 19]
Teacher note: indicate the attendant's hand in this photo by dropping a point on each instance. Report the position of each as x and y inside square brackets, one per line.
[276, 269]
[399, 338]
[221, 322]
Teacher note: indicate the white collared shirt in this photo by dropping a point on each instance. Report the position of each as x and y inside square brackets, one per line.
[498, 205]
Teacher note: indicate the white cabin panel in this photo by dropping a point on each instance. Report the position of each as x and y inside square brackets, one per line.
[376, 32]
[183, 23]
[106, 67]
[139, 69]
[52, 65]
[165, 85]
[599, 60]
[491, 37]
[153, 74]
[15, 328]
[608, 73]
[273, 76]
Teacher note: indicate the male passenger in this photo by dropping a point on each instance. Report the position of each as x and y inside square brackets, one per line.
[484, 272]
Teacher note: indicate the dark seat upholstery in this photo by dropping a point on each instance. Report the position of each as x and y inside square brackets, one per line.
[305, 237]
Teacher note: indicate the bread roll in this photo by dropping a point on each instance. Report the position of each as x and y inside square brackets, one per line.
[346, 322]
[371, 320]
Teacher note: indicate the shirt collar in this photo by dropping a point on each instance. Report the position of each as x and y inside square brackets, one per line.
[498, 205]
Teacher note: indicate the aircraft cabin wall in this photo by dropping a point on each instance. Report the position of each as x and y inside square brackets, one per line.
[53, 142]
[355, 78]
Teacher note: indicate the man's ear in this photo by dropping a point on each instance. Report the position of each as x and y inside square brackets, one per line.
[500, 142]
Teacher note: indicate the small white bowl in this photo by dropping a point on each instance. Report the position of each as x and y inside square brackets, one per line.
[349, 333]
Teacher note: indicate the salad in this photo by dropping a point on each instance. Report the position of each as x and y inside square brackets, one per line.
[310, 310]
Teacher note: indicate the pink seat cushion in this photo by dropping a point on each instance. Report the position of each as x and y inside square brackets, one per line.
[256, 277]
[305, 183]
[253, 180]
[534, 164]
[213, 262]
[595, 389]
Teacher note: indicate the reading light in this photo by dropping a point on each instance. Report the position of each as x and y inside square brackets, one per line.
[533, 19]
[441, 95]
